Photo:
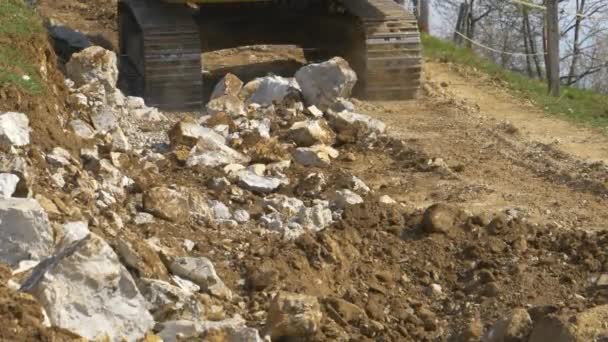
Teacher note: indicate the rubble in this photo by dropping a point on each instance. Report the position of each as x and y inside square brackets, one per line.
[229, 104]
[233, 329]
[85, 289]
[514, 327]
[323, 83]
[25, 232]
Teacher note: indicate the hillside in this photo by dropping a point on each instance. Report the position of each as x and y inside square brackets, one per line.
[472, 213]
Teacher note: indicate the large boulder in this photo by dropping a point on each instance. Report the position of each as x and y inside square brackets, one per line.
[273, 89]
[293, 315]
[167, 204]
[323, 83]
[14, 130]
[94, 64]
[25, 232]
[308, 133]
[84, 288]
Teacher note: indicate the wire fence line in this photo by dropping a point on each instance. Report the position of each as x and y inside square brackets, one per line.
[520, 54]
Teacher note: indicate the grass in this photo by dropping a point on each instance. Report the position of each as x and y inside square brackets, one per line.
[20, 27]
[582, 106]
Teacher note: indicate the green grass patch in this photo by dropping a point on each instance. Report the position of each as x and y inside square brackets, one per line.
[582, 106]
[19, 27]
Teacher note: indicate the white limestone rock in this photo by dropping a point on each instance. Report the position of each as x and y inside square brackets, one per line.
[25, 232]
[85, 289]
[94, 64]
[323, 83]
[317, 155]
[8, 184]
[202, 273]
[14, 130]
[308, 133]
[273, 89]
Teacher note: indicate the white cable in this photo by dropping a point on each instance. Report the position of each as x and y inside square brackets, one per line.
[498, 51]
[544, 8]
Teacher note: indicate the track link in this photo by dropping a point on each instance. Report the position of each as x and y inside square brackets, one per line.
[391, 59]
[162, 42]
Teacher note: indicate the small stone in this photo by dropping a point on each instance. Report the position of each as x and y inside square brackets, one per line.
[189, 245]
[385, 199]
[202, 273]
[82, 129]
[293, 316]
[120, 142]
[258, 169]
[59, 157]
[346, 198]
[189, 133]
[104, 119]
[229, 85]
[308, 133]
[316, 156]
[314, 111]
[436, 289]
[260, 184]
[241, 216]
[220, 211]
[143, 218]
[352, 126]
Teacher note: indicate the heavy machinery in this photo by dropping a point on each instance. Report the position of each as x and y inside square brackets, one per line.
[162, 41]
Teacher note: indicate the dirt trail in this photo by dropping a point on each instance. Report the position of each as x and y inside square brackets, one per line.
[538, 125]
[502, 152]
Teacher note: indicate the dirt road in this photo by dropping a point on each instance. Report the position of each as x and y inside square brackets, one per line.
[504, 151]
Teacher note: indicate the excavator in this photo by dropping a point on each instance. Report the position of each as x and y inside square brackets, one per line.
[162, 41]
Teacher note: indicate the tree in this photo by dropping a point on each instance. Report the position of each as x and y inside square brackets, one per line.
[552, 52]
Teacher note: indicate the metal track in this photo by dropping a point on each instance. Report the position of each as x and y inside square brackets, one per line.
[162, 42]
[392, 62]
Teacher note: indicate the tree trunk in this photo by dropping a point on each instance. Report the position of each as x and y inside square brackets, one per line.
[553, 47]
[423, 15]
[525, 34]
[580, 5]
[532, 43]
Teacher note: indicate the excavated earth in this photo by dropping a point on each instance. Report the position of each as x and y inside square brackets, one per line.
[487, 218]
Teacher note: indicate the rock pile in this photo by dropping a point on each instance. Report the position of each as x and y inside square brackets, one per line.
[95, 277]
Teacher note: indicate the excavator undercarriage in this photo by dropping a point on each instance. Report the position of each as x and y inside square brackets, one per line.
[162, 42]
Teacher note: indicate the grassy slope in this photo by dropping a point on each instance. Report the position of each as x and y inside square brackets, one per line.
[19, 26]
[581, 106]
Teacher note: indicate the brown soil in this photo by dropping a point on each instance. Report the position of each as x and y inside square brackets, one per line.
[527, 221]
